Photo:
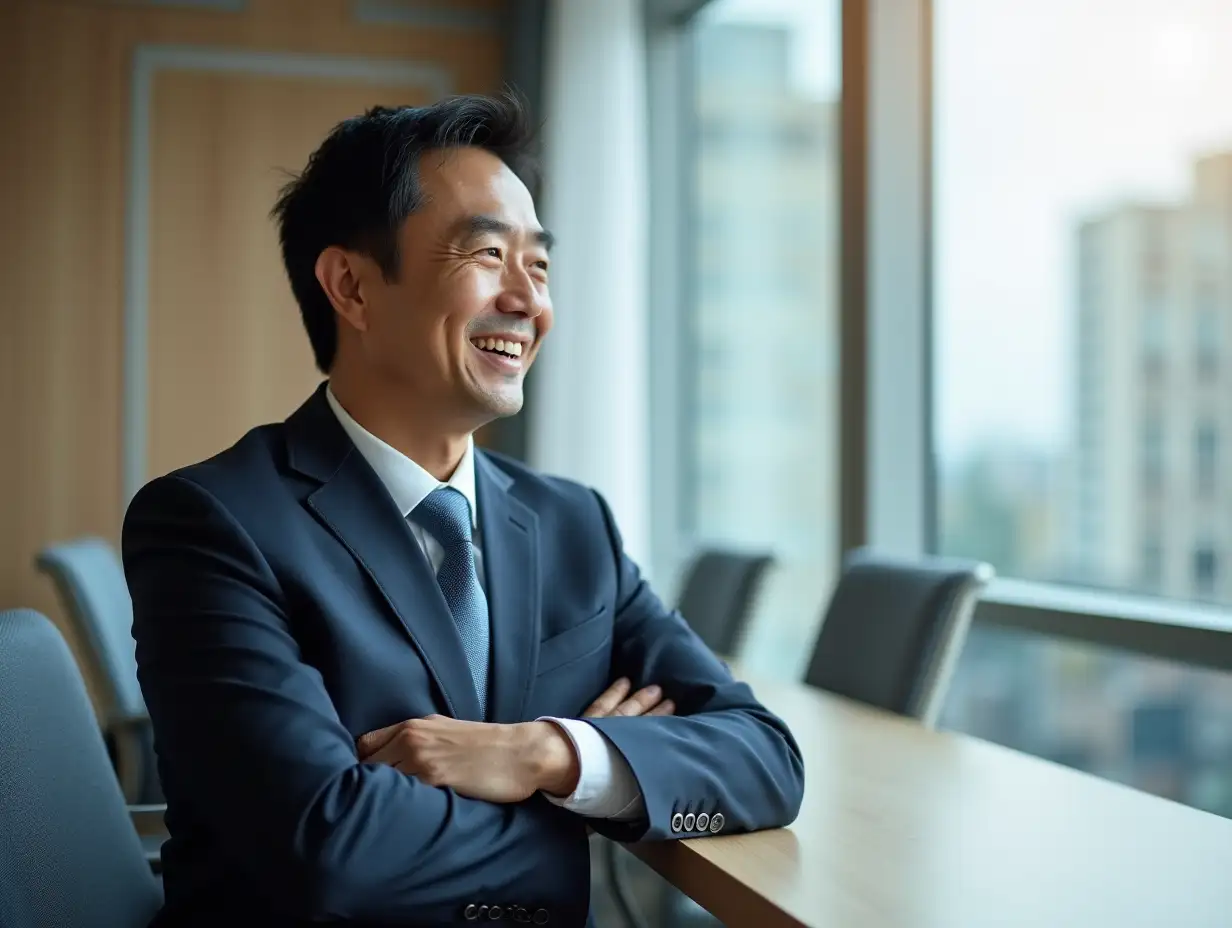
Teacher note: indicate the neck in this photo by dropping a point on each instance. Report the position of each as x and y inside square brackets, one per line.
[407, 427]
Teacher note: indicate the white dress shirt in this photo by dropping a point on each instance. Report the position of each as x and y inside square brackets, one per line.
[606, 787]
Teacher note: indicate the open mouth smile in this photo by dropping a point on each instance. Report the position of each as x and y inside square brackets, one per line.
[503, 352]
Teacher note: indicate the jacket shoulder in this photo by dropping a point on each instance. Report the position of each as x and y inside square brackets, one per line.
[537, 488]
[243, 471]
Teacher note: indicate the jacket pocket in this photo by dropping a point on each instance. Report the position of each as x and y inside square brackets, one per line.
[576, 642]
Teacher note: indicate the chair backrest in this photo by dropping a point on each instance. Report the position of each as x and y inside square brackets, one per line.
[894, 629]
[90, 581]
[718, 596]
[69, 855]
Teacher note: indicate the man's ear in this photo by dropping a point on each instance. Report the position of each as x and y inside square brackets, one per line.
[338, 273]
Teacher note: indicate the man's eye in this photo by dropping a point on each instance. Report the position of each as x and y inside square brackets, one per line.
[492, 252]
[542, 265]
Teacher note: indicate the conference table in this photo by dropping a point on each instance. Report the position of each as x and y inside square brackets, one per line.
[906, 827]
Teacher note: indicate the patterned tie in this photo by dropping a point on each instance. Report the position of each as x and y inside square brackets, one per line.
[446, 515]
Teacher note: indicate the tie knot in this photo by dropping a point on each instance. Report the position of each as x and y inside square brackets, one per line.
[446, 513]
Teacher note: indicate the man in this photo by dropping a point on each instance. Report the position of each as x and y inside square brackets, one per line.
[368, 648]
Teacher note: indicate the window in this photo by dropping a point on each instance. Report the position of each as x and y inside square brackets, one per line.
[1205, 571]
[1081, 249]
[1207, 329]
[1151, 455]
[1082, 283]
[756, 370]
[1154, 336]
[1152, 561]
[1206, 448]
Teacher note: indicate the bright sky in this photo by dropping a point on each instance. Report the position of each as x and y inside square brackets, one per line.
[1046, 110]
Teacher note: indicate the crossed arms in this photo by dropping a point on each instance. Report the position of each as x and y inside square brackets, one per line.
[249, 737]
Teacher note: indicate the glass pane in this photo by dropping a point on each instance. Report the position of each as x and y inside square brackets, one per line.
[1155, 725]
[759, 348]
[1083, 277]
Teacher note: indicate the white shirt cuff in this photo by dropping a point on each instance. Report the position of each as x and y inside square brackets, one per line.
[606, 787]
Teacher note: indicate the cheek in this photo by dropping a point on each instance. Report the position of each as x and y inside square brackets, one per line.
[467, 295]
[543, 323]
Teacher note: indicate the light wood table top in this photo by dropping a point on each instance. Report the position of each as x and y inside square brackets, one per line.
[904, 827]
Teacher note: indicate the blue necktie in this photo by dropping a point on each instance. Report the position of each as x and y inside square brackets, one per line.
[446, 515]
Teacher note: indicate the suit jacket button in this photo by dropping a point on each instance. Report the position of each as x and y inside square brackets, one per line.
[471, 912]
[677, 822]
[703, 821]
[496, 913]
[689, 821]
[716, 823]
[541, 916]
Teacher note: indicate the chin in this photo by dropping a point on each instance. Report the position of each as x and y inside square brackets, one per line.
[501, 405]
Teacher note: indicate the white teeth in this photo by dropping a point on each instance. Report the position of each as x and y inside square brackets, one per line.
[498, 344]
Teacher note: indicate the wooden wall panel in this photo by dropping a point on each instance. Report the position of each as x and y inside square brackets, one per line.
[65, 76]
[227, 350]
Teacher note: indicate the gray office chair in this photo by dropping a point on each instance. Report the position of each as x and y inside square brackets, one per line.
[894, 629]
[70, 855]
[90, 582]
[718, 596]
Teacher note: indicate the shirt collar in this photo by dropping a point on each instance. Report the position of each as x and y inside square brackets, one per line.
[407, 482]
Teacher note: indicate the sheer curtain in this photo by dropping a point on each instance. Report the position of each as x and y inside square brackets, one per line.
[590, 416]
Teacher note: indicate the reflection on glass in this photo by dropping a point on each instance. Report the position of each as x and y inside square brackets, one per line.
[758, 356]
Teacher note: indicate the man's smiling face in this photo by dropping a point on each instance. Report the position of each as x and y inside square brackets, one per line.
[462, 320]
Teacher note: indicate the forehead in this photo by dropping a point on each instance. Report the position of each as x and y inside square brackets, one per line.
[461, 182]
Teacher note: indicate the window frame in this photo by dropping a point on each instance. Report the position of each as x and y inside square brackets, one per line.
[887, 469]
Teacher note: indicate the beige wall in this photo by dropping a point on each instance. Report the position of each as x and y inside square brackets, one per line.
[224, 349]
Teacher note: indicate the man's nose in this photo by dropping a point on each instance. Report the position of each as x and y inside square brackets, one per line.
[521, 296]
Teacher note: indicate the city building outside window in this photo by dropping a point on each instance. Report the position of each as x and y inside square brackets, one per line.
[757, 373]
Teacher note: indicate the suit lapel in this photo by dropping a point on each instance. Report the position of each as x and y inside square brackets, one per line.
[355, 506]
[509, 534]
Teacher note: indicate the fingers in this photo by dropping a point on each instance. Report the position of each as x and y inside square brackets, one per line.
[608, 702]
[368, 744]
[616, 700]
[666, 707]
[640, 702]
[392, 753]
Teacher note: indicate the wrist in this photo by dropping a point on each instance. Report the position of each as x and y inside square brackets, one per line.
[549, 757]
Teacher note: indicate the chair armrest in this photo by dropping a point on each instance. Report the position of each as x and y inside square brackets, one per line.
[128, 734]
[151, 829]
[121, 720]
[148, 820]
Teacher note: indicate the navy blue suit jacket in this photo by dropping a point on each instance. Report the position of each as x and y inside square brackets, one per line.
[282, 608]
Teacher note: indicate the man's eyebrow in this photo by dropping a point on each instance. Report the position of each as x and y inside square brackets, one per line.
[474, 226]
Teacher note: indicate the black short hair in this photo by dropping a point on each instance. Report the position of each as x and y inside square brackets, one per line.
[363, 181]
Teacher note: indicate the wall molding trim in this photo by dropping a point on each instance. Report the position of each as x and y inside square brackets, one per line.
[424, 16]
[147, 62]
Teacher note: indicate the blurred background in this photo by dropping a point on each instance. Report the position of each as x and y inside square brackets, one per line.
[974, 300]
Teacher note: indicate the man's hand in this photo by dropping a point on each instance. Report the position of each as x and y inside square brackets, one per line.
[499, 763]
[496, 763]
[617, 701]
